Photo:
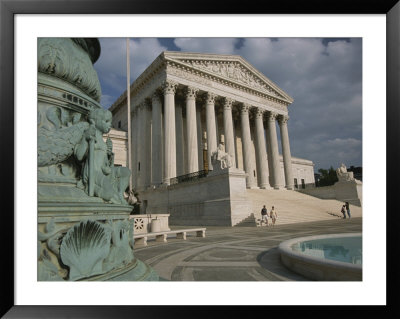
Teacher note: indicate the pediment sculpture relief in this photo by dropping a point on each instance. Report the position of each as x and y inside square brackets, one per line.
[234, 71]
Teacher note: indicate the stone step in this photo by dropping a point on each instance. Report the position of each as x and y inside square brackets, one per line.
[250, 221]
[296, 207]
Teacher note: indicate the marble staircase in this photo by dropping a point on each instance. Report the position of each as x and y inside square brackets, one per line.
[294, 207]
[250, 221]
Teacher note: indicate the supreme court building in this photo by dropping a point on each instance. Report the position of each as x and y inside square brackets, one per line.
[182, 107]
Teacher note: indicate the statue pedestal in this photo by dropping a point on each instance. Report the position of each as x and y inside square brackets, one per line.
[80, 237]
[216, 200]
[349, 191]
[95, 241]
[83, 238]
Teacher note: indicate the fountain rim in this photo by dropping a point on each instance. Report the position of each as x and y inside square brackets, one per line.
[285, 248]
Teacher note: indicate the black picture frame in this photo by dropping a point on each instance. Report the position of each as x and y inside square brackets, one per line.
[8, 10]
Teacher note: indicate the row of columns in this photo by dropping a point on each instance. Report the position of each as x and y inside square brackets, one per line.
[167, 124]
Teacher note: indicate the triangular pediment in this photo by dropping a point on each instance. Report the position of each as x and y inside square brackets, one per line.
[232, 68]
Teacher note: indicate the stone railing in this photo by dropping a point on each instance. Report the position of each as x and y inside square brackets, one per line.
[189, 177]
[143, 223]
[350, 191]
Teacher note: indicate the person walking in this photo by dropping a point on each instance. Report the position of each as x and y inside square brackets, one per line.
[343, 211]
[273, 214]
[264, 215]
[348, 209]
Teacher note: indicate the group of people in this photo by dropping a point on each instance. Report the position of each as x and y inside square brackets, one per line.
[272, 214]
[346, 208]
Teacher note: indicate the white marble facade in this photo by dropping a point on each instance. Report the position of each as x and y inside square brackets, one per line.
[184, 104]
[119, 139]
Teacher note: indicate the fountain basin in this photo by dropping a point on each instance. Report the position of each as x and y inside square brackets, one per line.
[335, 257]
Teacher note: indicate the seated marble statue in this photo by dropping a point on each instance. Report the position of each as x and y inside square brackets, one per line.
[221, 158]
[100, 177]
[130, 197]
[343, 174]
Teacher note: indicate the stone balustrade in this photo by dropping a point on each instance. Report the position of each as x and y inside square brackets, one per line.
[142, 223]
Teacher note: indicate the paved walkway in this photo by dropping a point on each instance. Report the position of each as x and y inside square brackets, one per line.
[235, 254]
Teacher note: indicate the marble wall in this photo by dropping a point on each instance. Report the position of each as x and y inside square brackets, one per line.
[212, 200]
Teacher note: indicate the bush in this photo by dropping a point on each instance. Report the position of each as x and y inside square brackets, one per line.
[328, 177]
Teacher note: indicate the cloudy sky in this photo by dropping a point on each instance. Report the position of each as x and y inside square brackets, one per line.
[324, 76]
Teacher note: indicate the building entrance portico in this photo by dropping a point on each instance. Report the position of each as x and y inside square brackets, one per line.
[186, 104]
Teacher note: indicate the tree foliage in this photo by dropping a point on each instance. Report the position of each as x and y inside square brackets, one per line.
[328, 177]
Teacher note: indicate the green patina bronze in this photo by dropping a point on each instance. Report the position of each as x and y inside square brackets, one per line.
[84, 231]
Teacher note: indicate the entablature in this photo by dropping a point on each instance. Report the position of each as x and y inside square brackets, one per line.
[224, 75]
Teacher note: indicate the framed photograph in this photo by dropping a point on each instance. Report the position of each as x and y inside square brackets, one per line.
[376, 26]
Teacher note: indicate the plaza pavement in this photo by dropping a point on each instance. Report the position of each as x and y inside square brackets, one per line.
[235, 253]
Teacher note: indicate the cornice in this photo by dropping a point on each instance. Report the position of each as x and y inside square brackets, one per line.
[198, 61]
[157, 66]
[297, 160]
[177, 63]
[204, 76]
[115, 133]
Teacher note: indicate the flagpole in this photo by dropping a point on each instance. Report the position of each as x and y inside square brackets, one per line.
[128, 98]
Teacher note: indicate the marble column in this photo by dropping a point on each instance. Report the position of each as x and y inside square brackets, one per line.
[274, 161]
[134, 146]
[156, 136]
[211, 127]
[235, 123]
[147, 144]
[287, 157]
[246, 146]
[260, 150]
[269, 156]
[140, 146]
[191, 127]
[180, 145]
[228, 130]
[199, 138]
[184, 140]
[169, 89]
[218, 125]
[253, 136]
